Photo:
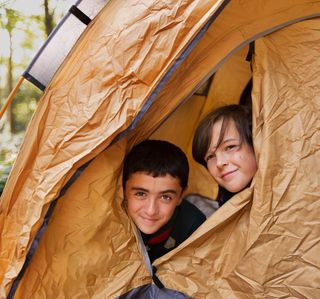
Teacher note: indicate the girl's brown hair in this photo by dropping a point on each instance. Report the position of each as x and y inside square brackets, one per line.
[241, 115]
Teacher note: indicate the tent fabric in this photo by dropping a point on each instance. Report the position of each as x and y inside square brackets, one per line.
[70, 113]
[262, 243]
[276, 220]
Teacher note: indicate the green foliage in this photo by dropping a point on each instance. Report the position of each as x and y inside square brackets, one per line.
[24, 105]
[29, 34]
[9, 146]
[12, 17]
[22, 28]
[4, 172]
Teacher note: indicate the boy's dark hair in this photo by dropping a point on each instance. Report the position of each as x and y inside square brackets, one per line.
[157, 158]
[241, 115]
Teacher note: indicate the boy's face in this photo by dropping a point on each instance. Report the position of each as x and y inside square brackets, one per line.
[232, 164]
[152, 200]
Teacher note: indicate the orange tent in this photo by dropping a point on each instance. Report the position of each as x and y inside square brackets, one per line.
[133, 74]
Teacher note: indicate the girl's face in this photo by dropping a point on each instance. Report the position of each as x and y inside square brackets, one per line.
[231, 164]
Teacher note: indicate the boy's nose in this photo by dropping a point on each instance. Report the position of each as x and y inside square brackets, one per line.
[151, 207]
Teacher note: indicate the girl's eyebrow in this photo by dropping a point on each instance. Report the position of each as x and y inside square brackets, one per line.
[214, 148]
[228, 140]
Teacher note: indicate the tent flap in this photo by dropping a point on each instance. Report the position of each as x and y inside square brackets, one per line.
[263, 243]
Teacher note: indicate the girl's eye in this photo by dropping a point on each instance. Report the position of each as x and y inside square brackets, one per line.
[231, 147]
[209, 157]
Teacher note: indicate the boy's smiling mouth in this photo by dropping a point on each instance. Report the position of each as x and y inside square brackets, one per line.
[149, 220]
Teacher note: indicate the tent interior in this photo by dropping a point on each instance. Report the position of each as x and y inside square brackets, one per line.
[66, 183]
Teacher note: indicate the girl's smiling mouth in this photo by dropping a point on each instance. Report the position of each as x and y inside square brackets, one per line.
[227, 174]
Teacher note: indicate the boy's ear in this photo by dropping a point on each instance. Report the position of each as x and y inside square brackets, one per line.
[183, 193]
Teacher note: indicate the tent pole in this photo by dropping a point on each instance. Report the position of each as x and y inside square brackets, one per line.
[11, 97]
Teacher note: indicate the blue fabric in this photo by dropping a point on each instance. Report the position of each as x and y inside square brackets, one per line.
[152, 291]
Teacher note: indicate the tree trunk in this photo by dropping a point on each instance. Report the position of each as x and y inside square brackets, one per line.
[48, 18]
[10, 86]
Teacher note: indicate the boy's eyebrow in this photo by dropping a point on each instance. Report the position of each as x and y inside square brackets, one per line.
[139, 189]
[169, 191]
[146, 190]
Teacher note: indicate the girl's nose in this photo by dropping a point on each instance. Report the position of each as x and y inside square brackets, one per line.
[222, 159]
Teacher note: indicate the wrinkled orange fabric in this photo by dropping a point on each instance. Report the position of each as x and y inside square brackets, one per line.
[262, 243]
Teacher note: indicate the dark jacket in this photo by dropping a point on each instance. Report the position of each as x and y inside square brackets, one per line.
[185, 220]
[224, 195]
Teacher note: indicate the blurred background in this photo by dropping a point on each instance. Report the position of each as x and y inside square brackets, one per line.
[24, 27]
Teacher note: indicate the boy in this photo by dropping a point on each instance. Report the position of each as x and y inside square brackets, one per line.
[155, 176]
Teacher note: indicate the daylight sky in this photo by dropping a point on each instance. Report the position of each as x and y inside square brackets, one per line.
[26, 8]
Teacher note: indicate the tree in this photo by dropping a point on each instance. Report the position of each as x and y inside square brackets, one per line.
[8, 22]
[48, 17]
[23, 29]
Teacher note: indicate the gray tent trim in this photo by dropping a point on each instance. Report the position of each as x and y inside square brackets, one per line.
[60, 42]
[150, 291]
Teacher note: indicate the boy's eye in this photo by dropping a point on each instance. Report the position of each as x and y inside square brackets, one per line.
[139, 194]
[166, 197]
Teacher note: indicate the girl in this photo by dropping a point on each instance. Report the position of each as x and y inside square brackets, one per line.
[223, 144]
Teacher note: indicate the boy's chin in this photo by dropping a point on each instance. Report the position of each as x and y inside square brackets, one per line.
[148, 231]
